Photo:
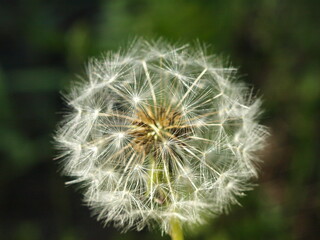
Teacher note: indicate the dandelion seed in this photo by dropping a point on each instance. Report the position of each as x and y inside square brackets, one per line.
[160, 135]
[136, 99]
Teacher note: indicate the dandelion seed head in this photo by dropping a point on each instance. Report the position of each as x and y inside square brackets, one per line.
[160, 131]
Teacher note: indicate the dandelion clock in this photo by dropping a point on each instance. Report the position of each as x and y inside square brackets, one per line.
[160, 136]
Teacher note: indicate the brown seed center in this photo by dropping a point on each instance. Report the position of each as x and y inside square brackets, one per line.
[156, 126]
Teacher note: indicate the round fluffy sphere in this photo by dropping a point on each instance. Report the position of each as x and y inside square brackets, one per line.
[159, 133]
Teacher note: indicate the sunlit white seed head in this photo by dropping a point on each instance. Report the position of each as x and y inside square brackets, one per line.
[160, 132]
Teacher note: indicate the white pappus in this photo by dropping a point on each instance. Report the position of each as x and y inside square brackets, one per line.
[160, 132]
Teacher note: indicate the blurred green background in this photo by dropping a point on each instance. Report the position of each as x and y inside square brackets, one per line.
[44, 44]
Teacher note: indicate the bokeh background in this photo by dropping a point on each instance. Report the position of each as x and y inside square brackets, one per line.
[44, 44]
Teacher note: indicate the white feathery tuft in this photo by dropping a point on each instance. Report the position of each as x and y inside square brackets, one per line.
[160, 132]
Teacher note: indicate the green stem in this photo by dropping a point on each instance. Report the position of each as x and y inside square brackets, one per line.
[176, 232]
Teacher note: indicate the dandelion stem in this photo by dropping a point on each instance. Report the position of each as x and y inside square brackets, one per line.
[176, 232]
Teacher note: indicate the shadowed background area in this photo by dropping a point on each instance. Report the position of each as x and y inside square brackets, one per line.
[44, 44]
